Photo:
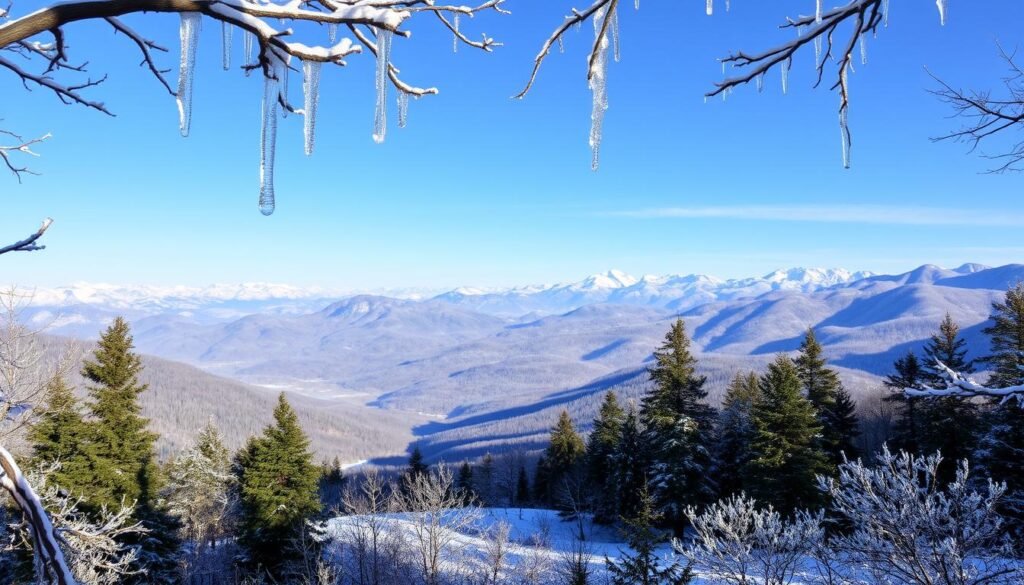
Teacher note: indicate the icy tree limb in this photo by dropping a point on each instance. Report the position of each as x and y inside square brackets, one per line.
[51, 565]
[22, 146]
[29, 244]
[988, 116]
[961, 386]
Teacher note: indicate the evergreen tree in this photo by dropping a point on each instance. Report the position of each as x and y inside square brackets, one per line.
[278, 489]
[1003, 445]
[679, 426]
[629, 467]
[542, 481]
[735, 433]
[332, 485]
[601, 446]
[464, 483]
[122, 458]
[787, 452]
[416, 467]
[564, 456]
[948, 424]
[522, 487]
[822, 387]
[199, 488]
[906, 430]
[60, 435]
[645, 566]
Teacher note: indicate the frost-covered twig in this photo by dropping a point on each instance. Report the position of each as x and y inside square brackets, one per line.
[962, 386]
[989, 116]
[29, 244]
[21, 146]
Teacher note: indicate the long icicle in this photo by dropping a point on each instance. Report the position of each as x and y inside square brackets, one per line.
[190, 24]
[247, 46]
[598, 86]
[844, 124]
[227, 34]
[403, 109]
[268, 142]
[380, 117]
[311, 95]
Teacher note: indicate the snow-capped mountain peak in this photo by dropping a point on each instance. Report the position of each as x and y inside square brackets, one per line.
[609, 280]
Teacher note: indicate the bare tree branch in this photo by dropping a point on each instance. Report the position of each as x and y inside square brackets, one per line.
[29, 244]
[987, 116]
[22, 146]
[961, 386]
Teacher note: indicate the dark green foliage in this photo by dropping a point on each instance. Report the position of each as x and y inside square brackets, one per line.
[630, 467]
[679, 426]
[60, 435]
[415, 469]
[464, 483]
[1002, 446]
[601, 446]
[787, 452]
[948, 424]
[485, 480]
[563, 458]
[735, 433]
[644, 566]
[278, 484]
[906, 433]
[522, 487]
[332, 485]
[822, 388]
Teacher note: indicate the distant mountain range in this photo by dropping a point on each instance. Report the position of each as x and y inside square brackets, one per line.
[475, 370]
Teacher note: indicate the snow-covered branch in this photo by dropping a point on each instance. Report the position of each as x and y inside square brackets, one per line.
[269, 46]
[962, 386]
[29, 244]
[988, 116]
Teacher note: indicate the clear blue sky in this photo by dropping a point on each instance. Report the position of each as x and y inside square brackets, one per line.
[481, 189]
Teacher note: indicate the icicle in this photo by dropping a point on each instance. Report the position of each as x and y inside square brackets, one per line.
[941, 5]
[636, 4]
[817, 39]
[455, 36]
[844, 127]
[332, 32]
[598, 86]
[311, 93]
[784, 67]
[760, 83]
[615, 34]
[561, 45]
[284, 85]
[727, 5]
[380, 120]
[723, 66]
[403, 109]
[885, 12]
[190, 23]
[247, 44]
[227, 33]
[863, 50]
[817, 12]
[710, 8]
[268, 144]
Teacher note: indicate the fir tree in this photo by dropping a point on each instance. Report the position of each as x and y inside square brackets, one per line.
[787, 453]
[564, 456]
[735, 433]
[1003, 445]
[485, 480]
[199, 488]
[679, 426]
[906, 431]
[542, 481]
[332, 485]
[60, 435]
[822, 387]
[464, 483]
[522, 487]
[629, 467]
[601, 446]
[948, 424]
[278, 489]
[122, 458]
[645, 566]
[416, 467]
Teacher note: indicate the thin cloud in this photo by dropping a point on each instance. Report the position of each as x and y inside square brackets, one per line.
[859, 214]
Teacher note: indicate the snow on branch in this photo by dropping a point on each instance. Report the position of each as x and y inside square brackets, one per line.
[961, 386]
[269, 45]
[29, 244]
[988, 116]
[20, 146]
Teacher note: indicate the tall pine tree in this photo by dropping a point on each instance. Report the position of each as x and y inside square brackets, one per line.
[60, 435]
[735, 433]
[787, 447]
[601, 445]
[630, 466]
[908, 373]
[643, 565]
[679, 425]
[278, 484]
[948, 424]
[823, 387]
[122, 458]
[1002, 447]
[564, 458]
